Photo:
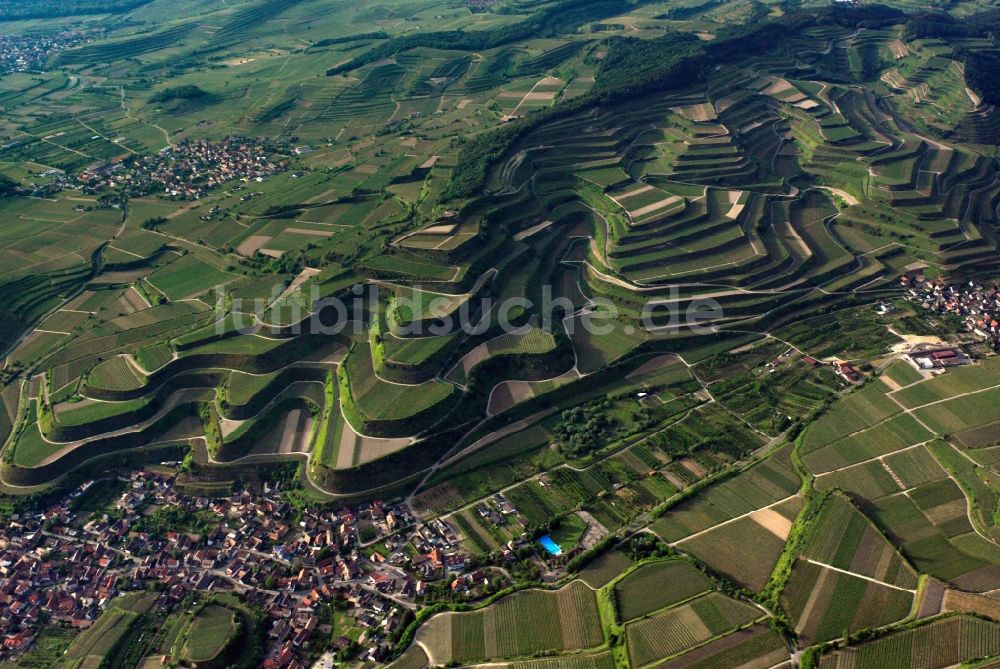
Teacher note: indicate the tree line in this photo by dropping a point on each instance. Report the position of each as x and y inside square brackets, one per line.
[11, 10]
[562, 16]
[982, 66]
[635, 67]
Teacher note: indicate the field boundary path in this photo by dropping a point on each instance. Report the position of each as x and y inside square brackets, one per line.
[856, 575]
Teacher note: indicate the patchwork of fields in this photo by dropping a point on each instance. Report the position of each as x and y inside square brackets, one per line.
[676, 630]
[926, 488]
[635, 278]
[691, 194]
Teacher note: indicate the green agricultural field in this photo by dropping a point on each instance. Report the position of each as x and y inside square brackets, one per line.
[534, 341]
[382, 400]
[115, 374]
[657, 585]
[892, 435]
[684, 627]
[947, 640]
[219, 220]
[84, 412]
[152, 358]
[518, 625]
[823, 602]
[757, 645]
[843, 538]
[413, 658]
[413, 351]
[186, 277]
[209, 633]
[961, 412]
[30, 448]
[871, 480]
[860, 410]
[597, 350]
[745, 550]
[967, 379]
[935, 546]
[757, 487]
[110, 628]
[605, 568]
[903, 373]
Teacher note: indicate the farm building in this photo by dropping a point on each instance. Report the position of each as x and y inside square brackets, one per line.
[846, 370]
[925, 356]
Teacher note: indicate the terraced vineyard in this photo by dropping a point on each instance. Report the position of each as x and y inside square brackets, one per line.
[759, 191]
[646, 281]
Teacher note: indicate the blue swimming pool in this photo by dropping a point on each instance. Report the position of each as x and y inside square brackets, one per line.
[550, 546]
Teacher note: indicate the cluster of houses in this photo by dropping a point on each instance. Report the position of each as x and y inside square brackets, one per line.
[374, 560]
[47, 577]
[25, 53]
[977, 306]
[478, 5]
[496, 509]
[186, 171]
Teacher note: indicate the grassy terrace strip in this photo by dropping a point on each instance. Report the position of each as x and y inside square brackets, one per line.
[385, 409]
[249, 354]
[171, 432]
[246, 398]
[284, 427]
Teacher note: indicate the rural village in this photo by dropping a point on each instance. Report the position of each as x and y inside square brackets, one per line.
[24, 53]
[372, 561]
[804, 475]
[186, 171]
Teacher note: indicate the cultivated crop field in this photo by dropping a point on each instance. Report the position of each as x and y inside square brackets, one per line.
[109, 628]
[115, 374]
[604, 569]
[518, 625]
[209, 633]
[716, 229]
[861, 409]
[755, 488]
[745, 550]
[378, 399]
[944, 488]
[843, 538]
[657, 585]
[756, 646]
[681, 628]
[823, 602]
[186, 277]
[939, 643]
